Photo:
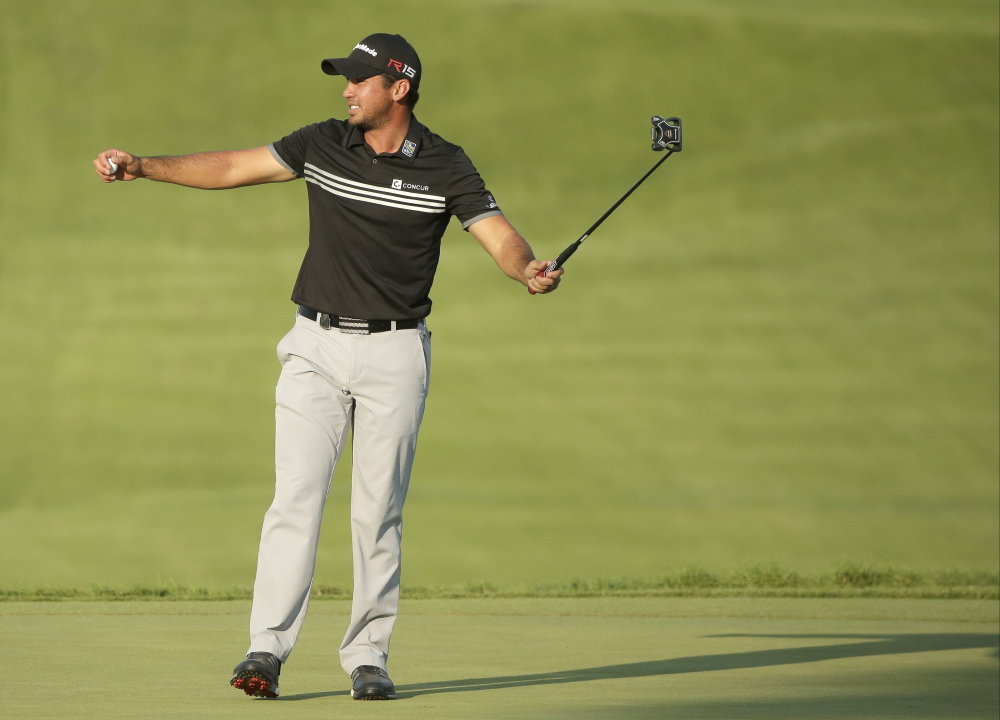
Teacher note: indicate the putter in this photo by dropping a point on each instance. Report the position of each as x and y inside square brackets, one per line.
[666, 135]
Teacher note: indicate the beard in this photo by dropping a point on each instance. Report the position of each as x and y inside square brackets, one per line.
[373, 118]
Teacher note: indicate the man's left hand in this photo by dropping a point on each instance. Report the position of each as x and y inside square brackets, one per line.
[537, 281]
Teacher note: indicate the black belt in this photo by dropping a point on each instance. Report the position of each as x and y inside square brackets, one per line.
[355, 326]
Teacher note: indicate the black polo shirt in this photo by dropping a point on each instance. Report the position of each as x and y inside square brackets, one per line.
[376, 221]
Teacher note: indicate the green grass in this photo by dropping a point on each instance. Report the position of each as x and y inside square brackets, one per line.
[782, 349]
[522, 658]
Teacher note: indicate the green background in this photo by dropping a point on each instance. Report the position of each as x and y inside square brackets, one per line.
[783, 348]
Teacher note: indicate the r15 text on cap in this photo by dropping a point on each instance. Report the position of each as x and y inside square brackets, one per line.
[402, 68]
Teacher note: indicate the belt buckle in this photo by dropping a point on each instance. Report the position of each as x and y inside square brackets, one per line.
[324, 321]
[353, 326]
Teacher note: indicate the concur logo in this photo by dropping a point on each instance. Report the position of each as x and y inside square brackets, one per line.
[400, 185]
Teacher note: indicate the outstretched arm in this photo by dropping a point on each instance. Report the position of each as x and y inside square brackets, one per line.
[513, 254]
[207, 170]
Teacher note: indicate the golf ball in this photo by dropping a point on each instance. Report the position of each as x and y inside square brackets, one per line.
[114, 166]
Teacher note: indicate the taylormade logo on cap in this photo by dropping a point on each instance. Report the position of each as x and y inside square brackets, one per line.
[381, 53]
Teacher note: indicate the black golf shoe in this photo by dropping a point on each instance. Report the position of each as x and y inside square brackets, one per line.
[257, 675]
[372, 683]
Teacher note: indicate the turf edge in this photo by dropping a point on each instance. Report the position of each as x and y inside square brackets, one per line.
[847, 581]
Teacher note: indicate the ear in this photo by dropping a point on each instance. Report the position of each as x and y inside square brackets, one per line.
[399, 91]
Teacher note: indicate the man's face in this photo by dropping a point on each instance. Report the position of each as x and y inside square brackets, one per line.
[368, 102]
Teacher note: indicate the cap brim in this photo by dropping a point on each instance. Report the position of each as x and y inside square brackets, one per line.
[348, 68]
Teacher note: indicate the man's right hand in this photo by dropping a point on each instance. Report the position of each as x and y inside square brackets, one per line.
[206, 170]
[129, 166]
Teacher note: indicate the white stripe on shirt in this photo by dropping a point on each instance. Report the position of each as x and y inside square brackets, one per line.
[373, 193]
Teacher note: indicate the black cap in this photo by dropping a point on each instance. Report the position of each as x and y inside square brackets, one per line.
[377, 54]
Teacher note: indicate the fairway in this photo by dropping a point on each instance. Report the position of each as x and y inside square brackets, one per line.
[545, 658]
[782, 348]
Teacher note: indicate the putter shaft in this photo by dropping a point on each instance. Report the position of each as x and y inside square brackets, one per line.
[565, 254]
[666, 135]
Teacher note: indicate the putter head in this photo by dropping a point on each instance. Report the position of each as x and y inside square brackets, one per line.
[666, 133]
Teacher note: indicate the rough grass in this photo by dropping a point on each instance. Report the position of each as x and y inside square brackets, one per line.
[769, 580]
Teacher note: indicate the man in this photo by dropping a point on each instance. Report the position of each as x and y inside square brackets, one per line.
[382, 188]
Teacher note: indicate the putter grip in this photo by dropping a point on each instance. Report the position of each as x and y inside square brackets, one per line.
[563, 257]
[552, 266]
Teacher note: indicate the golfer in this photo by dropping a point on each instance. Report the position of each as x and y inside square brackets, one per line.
[382, 189]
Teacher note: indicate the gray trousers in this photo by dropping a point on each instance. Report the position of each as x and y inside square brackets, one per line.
[329, 381]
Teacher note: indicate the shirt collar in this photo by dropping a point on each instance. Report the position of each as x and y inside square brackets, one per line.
[408, 150]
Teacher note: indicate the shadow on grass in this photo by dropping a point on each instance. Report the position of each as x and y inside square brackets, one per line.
[860, 647]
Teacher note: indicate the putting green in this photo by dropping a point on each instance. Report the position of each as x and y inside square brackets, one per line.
[541, 658]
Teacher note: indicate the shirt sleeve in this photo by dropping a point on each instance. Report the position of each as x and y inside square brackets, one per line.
[467, 198]
[290, 151]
